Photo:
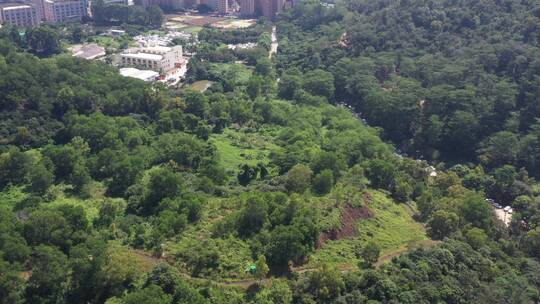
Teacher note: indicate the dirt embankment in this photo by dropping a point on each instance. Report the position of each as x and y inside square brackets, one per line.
[350, 216]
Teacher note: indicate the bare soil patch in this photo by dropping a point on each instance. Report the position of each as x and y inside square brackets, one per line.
[349, 218]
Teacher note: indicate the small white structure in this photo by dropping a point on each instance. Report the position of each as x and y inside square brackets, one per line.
[248, 45]
[505, 215]
[117, 33]
[431, 171]
[145, 75]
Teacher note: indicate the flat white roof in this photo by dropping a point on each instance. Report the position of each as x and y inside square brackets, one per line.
[16, 7]
[140, 74]
[143, 56]
[158, 48]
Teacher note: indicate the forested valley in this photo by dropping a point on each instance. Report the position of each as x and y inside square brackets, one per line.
[358, 164]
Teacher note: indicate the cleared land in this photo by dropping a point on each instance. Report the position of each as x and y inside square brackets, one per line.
[195, 22]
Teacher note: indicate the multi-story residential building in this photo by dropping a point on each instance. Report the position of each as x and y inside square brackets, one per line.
[268, 8]
[166, 4]
[223, 6]
[247, 8]
[158, 58]
[19, 14]
[56, 11]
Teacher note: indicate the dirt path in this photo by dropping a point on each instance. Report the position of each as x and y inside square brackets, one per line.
[299, 270]
[388, 257]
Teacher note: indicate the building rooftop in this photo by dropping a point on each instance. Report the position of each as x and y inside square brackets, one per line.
[143, 56]
[11, 5]
[145, 75]
[158, 49]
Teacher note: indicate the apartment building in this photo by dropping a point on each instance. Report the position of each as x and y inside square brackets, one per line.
[247, 8]
[56, 11]
[223, 6]
[19, 14]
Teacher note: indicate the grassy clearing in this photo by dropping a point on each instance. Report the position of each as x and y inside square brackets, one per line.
[201, 85]
[107, 42]
[236, 148]
[241, 72]
[392, 228]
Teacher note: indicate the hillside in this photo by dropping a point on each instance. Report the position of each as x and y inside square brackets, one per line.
[259, 180]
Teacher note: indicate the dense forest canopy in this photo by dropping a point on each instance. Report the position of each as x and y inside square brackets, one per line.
[448, 80]
[260, 189]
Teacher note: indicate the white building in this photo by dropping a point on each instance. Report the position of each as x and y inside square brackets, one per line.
[157, 58]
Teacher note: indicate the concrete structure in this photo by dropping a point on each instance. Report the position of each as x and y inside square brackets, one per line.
[157, 58]
[19, 14]
[145, 75]
[56, 11]
[247, 8]
[88, 51]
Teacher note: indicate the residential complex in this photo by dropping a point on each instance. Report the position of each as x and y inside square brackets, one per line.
[247, 8]
[29, 13]
[223, 6]
[56, 11]
[166, 4]
[19, 14]
[157, 58]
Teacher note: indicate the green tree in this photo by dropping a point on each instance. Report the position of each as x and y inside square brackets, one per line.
[476, 237]
[43, 41]
[323, 182]
[298, 179]
[442, 224]
[40, 179]
[263, 67]
[151, 294]
[11, 284]
[477, 211]
[50, 276]
[289, 83]
[262, 268]
[319, 82]
[370, 254]
[253, 216]
[532, 243]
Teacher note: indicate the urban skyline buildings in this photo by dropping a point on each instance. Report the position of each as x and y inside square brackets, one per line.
[30, 13]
